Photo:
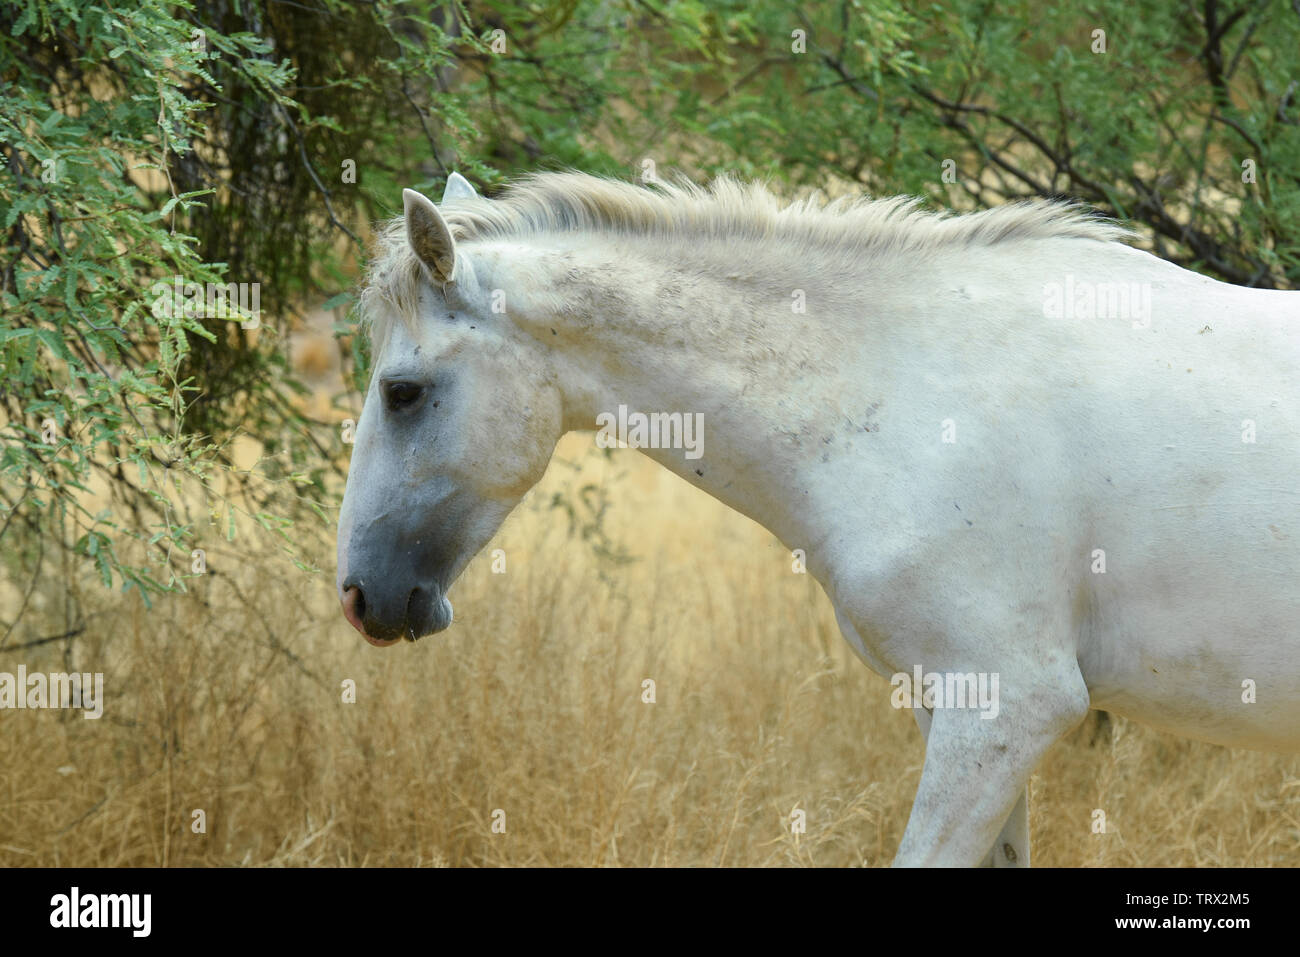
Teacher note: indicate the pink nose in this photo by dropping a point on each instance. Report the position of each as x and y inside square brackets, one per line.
[354, 610]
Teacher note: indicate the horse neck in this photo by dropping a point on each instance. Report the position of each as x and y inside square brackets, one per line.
[709, 330]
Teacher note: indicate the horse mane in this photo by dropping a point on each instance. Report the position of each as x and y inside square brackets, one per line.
[726, 210]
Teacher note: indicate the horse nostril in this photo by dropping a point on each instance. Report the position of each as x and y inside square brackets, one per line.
[354, 607]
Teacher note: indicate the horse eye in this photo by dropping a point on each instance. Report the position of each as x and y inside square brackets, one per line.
[401, 395]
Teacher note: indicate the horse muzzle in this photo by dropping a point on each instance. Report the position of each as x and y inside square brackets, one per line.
[385, 614]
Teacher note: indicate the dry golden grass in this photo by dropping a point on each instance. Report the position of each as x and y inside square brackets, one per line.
[230, 700]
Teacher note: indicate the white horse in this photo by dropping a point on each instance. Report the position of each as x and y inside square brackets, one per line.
[1009, 445]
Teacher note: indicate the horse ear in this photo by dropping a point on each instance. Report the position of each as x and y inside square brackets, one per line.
[458, 187]
[428, 235]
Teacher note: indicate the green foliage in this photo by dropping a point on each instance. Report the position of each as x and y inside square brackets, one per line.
[91, 377]
[1022, 100]
[210, 142]
[155, 145]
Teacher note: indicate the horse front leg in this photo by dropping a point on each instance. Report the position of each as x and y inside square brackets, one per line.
[1011, 849]
[971, 803]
